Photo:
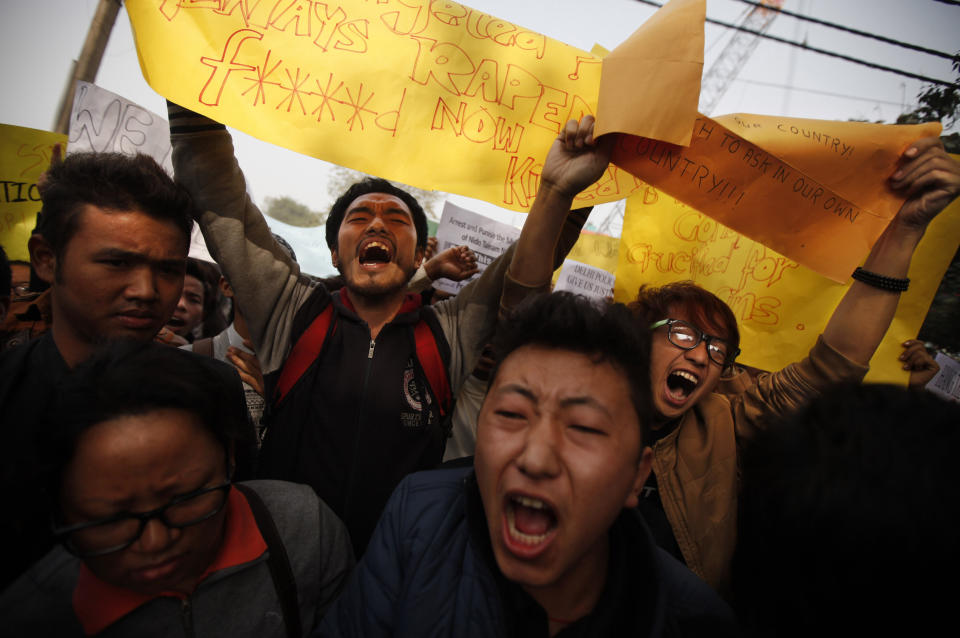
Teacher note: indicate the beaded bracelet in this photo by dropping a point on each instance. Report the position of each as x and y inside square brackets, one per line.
[892, 284]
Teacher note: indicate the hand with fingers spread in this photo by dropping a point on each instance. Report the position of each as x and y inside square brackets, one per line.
[576, 159]
[919, 363]
[455, 263]
[929, 178]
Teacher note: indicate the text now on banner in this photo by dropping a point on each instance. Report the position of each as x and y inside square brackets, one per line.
[435, 95]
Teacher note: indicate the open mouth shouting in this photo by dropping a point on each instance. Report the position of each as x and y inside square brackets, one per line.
[529, 525]
[375, 253]
[681, 384]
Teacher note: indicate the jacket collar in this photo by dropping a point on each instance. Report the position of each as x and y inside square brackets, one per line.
[98, 604]
[408, 312]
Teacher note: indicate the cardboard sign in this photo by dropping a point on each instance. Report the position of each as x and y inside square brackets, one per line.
[102, 121]
[801, 210]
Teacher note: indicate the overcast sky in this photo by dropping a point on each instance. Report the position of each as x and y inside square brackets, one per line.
[40, 38]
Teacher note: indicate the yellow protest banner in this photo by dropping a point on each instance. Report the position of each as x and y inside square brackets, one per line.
[431, 94]
[824, 209]
[441, 96]
[780, 305]
[24, 154]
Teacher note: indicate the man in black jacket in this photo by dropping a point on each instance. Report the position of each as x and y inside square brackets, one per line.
[112, 243]
[355, 407]
[543, 538]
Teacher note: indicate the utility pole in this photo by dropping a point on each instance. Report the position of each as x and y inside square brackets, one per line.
[86, 67]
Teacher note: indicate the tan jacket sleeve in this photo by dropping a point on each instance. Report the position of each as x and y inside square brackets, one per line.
[776, 394]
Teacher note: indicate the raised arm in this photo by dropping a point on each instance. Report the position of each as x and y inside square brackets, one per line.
[930, 179]
[468, 320]
[267, 282]
[575, 161]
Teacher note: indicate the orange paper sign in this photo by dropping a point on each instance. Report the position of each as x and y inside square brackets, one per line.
[755, 192]
[650, 84]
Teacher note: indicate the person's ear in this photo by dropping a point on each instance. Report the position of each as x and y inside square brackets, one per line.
[335, 258]
[42, 258]
[418, 258]
[644, 465]
[4, 307]
[225, 287]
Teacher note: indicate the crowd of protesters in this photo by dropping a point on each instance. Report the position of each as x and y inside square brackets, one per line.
[357, 456]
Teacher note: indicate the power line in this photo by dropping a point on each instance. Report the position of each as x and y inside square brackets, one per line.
[840, 27]
[846, 96]
[953, 2]
[807, 47]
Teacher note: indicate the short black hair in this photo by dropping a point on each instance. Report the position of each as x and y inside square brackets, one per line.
[604, 331]
[847, 508]
[208, 274]
[113, 182]
[129, 378]
[365, 187]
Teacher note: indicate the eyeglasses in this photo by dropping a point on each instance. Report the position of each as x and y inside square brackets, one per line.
[683, 335]
[117, 532]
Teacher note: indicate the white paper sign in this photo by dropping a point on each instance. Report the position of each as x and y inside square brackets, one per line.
[947, 382]
[585, 280]
[486, 237]
[102, 121]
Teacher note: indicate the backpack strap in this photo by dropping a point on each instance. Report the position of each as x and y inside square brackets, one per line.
[304, 352]
[428, 354]
[277, 561]
[307, 348]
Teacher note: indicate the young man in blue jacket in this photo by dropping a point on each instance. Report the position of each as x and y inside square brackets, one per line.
[541, 537]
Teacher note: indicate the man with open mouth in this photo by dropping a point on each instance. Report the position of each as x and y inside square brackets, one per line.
[191, 308]
[361, 380]
[542, 536]
[703, 420]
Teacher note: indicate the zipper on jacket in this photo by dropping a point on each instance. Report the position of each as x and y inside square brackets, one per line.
[186, 616]
[357, 437]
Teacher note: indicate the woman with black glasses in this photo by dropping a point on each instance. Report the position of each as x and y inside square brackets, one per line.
[157, 539]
